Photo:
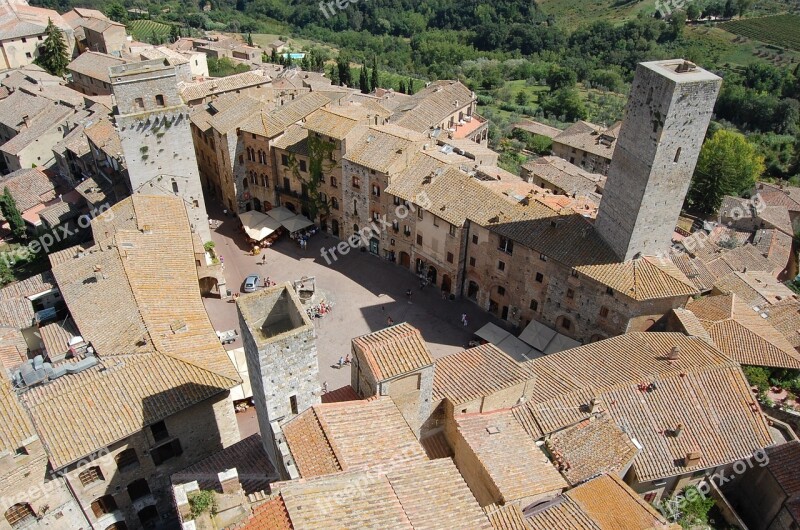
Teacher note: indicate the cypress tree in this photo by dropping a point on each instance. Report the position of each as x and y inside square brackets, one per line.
[54, 56]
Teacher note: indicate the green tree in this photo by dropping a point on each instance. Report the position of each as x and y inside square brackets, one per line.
[10, 211]
[728, 165]
[345, 75]
[53, 56]
[692, 11]
[273, 58]
[174, 33]
[565, 103]
[742, 6]
[115, 11]
[410, 86]
[521, 98]
[363, 81]
[402, 87]
[374, 81]
[250, 39]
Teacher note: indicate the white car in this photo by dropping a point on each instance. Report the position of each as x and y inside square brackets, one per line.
[251, 283]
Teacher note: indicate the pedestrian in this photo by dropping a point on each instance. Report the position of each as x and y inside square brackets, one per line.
[463, 318]
[347, 359]
[444, 295]
[465, 321]
[341, 361]
[324, 387]
[389, 321]
[264, 259]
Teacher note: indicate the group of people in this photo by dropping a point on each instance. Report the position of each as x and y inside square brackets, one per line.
[344, 360]
[303, 236]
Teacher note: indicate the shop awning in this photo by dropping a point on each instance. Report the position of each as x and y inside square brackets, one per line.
[257, 225]
[298, 222]
[281, 213]
[492, 333]
[546, 340]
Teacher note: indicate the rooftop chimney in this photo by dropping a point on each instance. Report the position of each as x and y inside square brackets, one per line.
[677, 430]
[693, 457]
[229, 481]
[674, 353]
[594, 405]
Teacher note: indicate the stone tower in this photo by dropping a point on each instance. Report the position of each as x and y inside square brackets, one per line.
[666, 118]
[153, 125]
[280, 346]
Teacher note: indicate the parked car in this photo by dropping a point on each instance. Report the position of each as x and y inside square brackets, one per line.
[251, 283]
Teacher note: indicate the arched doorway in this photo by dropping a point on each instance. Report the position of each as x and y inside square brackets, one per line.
[472, 291]
[257, 205]
[446, 283]
[208, 285]
[564, 324]
[405, 260]
[289, 206]
[432, 275]
[335, 227]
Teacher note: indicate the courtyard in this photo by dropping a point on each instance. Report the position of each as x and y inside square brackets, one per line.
[366, 292]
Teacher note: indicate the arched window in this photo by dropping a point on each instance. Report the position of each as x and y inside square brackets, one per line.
[244, 183]
[334, 203]
[138, 489]
[333, 182]
[355, 206]
[174, 186]
[19, 515]
[264, 181]
[127, 459]
[90, 476]
[103, 505]
[160, 100]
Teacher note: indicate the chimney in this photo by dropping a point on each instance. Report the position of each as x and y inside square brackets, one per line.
[98, 273]
[594, 405]
[692, 458]
[674, 353]
[677, 430]
[229, 481]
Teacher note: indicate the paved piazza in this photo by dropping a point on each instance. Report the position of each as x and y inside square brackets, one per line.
[365, 290]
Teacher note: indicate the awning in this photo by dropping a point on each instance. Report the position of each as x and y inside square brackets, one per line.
[560, 343]
[281, 213]
[507, 343]
[492, 333]
[257, 226]
[546, 340]
[298, 222]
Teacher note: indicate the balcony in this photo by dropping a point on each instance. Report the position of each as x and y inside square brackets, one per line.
[467, 129]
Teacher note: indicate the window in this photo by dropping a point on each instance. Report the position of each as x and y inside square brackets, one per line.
[293, 404]
[166, 452]
[574, 273]
[453, 230]
[604, 312]
[650, 497]
[286, 184]
[19, 515]
[28, 55]
[90, 476]
[450, 257]
[534, 305]
[539, 277]
[20, 451]
[419, 239]
[570, 293]
[139, 102]
[506, 245]
[419, 213]
[138, 489]
[24, 40]
[127, 460]
[501, 291]
[396, 225]
[435, 221]
[542, 257]
[334, 203]
[355, 207]
[103, 505]
[160, 100]
[159, 430]
[609, 291]
[303, 166]
[244, 183]
[677, 155]
[406, 230]
[285, 160]
[376, 190]
[475, 239]
[333, 182]
[471, 262]
[241, 159]
[356, 182]
[264, 181]
[174, 187]
[566, 323]
[501, 265]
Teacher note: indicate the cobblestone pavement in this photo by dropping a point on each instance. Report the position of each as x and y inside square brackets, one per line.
[365, 290]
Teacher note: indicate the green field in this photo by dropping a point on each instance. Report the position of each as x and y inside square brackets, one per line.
[779, 30]
[149, 31]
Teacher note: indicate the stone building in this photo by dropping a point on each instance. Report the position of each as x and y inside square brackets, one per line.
[668, 112]
[23, 30]
[96, 32]
[280, 346]
[587, 145]
[89, 73]
[153, 125]
[145, 367]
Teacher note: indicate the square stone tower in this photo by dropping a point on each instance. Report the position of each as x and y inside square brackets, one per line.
[280, 346]
[153, 124]
[666, 118]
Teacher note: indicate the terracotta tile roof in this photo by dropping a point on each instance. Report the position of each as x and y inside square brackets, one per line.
[274, 122]
[563, 514]
[612, 505]
[538, 128]
[232, 116]
[30, 187]
[565, 176]
[385, 148]
[105, 137]
[53, 116]
[690, 324]
[18, 19]
[13, 349]
[509, 457]
[784, 465]
[776, 246]
[337, 122]
[432, 105]
[425, 495]
[247, 456]
[591, 447]
[720, 418]
[394, 351]
[17, 426]
[779, 195]
[194, 91]
[294, 140]
[476, 373]
[56, 336]
[586, 137]
[642, 279]
[333, 437]
[159, 353]
[436, 446]
[36, 284]
[271, 515]
[742, 334]
[345, 393]
[506, 517]
[59, 213]
[16, 313]
[785, 317]
[14, 109]
[95, 65]
[694, 270]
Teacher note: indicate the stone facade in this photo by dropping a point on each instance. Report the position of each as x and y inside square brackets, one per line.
[259, 165]
[668, 112]
[280, 347]
[154, 128]
[292, 174]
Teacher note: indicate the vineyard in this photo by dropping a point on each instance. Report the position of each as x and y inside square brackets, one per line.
[780, 30]
[149, 31]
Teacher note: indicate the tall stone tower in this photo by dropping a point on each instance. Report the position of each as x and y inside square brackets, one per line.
[665, 122]
[280, 346]
[153, 124]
